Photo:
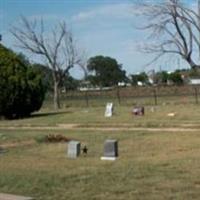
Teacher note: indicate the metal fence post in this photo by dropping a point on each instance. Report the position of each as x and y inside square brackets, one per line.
[196, 95]
[86, 98]
[155, 96]
[118, 95]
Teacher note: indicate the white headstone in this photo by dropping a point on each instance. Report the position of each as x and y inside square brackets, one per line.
[109, 110]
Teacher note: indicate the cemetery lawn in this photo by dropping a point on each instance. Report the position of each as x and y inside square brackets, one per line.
[158, 155]
[186, 116]
[151, 165]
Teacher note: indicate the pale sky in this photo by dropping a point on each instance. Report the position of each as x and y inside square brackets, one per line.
[101, 27]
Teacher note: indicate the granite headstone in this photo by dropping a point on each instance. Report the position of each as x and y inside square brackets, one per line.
[110, 150]
[74, 148]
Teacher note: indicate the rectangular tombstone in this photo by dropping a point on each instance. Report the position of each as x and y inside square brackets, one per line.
[109, 110]
[110, 150]
[2, 151]
[74, 148]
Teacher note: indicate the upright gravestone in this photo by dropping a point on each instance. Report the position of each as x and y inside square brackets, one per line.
[74, 148]
[109, 110]
[110, 150]
[138, 111]
[1, 152]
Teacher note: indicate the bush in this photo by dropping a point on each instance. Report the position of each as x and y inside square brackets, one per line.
[21, 87]
[176, 78]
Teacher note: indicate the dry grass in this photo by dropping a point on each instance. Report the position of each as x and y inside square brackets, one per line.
[151, 165]
[186, 116]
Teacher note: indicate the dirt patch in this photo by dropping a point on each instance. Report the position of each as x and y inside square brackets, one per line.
[17, 144]
[107, 127]
[54, 138]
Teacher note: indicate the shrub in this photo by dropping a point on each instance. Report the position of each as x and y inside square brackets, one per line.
[21, 87]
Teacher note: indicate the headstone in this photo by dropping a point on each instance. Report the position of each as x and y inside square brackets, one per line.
[152, 109]
[110, 150]
[109, 110]
[138, 111]
[74, 148]
[2, 150]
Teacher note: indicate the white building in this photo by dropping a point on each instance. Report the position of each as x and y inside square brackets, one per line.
[194, 81]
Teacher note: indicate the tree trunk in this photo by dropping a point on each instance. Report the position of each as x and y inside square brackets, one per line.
[56, 98]
[192, 64]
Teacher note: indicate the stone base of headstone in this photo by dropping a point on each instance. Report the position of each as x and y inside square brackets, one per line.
[13, 197]
[108, 158]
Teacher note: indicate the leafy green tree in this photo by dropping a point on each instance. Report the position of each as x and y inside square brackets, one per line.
[142, 77]
[70, 83]
[194, 73]
[106, 70]
[67, 82]
[176, 78]
[46, 76]
[21, 87]
[161, 77]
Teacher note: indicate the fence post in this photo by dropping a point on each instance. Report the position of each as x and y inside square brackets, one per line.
[155, 97]
[196, 95]
[86, 98]
[118, 95]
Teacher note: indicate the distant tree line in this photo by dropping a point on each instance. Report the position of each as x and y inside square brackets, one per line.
[104, 71]
[177, 77]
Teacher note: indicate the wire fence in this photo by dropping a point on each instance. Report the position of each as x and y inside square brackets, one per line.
[128, 96]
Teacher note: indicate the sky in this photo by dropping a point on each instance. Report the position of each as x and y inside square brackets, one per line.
[101, 27]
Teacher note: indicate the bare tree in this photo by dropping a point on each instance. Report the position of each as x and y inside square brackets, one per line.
[56, 46]
[174, 29]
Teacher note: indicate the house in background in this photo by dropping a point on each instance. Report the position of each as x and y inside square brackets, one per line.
[194, 81]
